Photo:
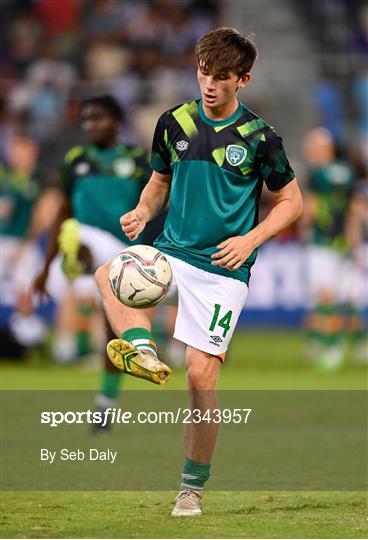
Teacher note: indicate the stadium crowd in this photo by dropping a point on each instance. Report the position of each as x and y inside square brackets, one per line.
[57, 53]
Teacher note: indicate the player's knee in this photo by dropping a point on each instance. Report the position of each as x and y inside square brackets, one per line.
[202, 370]
[197, 379]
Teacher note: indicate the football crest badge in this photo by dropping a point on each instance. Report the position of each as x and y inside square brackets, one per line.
[124, 167]
[235, 155]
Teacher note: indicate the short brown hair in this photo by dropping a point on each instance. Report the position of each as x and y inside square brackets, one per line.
[224, 50]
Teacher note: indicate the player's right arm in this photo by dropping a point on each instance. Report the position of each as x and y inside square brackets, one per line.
[52, 249]
[153, 200]
[155, 195]
[64, 212]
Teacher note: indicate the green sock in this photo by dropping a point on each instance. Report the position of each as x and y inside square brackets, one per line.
[334, 340]
[356, 330]
[110, 384]
[83, 339]
[140, 338]
[194, 474]
[313, 332]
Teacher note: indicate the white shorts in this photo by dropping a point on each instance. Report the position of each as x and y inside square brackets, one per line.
[103, 247]
[17, 273]
[209, 306]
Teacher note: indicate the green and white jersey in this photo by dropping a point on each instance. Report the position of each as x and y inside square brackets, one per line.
[103, 184]
[218, 170]
[332, 187]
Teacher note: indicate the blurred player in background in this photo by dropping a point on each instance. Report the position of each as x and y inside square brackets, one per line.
[20, 225]
[210, 158]
[330, 272]
[100, 181]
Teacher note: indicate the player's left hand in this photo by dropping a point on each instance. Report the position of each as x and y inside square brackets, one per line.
[233, 252]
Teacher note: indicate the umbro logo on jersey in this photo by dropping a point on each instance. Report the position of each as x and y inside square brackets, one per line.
[216, 340]
[182, 145]
[235, 154]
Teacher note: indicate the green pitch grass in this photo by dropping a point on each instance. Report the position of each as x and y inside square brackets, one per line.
[146, 515]
[257, 361]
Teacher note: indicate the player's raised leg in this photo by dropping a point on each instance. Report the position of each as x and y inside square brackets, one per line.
[199, 437]
[135, 351]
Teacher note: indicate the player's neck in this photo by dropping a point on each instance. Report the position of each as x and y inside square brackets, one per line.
[220, 113]
[104, 145]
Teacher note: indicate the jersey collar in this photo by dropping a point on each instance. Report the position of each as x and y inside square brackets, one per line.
[218, 123]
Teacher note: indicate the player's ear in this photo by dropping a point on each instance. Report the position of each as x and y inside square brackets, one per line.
[243, 80]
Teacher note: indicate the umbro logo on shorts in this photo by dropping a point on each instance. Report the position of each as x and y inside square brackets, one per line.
[216, 340]
[182, 145]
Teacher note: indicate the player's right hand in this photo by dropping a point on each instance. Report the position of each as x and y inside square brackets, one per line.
[39, 284]
[133, 223]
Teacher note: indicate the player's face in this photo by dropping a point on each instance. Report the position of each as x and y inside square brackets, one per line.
[318, 146]
[218, 91]
[99, 125]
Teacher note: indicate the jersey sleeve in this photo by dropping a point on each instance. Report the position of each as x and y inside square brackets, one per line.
[274, 166]
[65, 178]
[66, 169]
[143, 164]
[160, 155]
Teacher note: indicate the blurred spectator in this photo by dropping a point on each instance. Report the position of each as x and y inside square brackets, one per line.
[147, 29]
[60, 21]
[24, 35]
[43, 94]
[360, 90]
[105, 60]
[182, 32]
[137, 50]
[360, 30]
[107, 18]
[329, 101]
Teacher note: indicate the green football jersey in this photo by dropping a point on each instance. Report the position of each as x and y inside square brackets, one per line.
[17, 195]
[105, 183]
[332, 187]
[218, 169]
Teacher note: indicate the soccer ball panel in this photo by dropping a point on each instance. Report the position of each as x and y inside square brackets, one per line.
[140, 276]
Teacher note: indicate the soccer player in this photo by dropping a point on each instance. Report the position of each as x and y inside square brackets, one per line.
[210, 158]
[20, 225]
[101, 180]
[329, 268]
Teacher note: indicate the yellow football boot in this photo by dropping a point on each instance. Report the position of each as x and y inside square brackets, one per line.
[69, 247]
[136, 362]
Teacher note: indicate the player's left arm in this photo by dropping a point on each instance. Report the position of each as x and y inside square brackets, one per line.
[234, 251]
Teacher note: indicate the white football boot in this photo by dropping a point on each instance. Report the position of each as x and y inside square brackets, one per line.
[188, 503]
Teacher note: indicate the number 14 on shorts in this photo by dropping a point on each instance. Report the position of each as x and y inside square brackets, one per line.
[221, 320]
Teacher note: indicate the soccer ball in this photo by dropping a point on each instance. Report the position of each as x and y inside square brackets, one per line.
[140, 276]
